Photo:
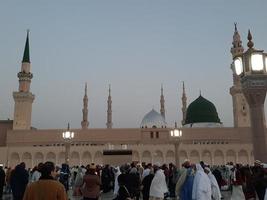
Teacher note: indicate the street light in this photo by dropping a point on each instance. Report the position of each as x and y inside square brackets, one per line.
[251, 67]
[176, 135]
[67, 136]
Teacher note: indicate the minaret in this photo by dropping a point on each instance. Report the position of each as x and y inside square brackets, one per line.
[109, 111]
[85, 122]
[237, 47]
[24, 98]
[162, 102]
[240, 106]
[184, 108]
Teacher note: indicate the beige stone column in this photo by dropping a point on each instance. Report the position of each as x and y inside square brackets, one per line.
[254, 87]
[67, 152]
[259, 134]
[176, 153]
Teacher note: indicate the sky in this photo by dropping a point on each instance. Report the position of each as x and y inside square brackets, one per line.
[133, 45]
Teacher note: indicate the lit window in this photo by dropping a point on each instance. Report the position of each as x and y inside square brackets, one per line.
[257, 62]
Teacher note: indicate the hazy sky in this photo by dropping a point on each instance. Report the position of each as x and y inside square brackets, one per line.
[132, 45]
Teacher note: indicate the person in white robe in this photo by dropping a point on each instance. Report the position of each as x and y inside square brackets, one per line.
[158, 185]
[116, 184]
[215, 189]
[35, 176]
[201, 185]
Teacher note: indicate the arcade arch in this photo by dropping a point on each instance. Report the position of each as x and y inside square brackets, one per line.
[158, 157]
[146, 157]
[243, 157]
[230, 156]
[170, 157]
[27, 159]
[74, 158]
[98, 158]
[135, 156]
[14, 159]
[218, 157]
[194, 156]
[61, 158]
[86, 158]
[38, 158]
[51, 157]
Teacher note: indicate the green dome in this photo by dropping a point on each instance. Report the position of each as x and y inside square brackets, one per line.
[201, 110]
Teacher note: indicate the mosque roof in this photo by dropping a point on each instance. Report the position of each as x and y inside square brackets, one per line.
[153, 120]
[201, 110]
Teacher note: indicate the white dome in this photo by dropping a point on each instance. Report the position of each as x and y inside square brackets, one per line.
[153, 119]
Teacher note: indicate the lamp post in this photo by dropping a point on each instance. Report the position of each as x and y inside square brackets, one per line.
[176, 135]
[67, 136]
[251, 67]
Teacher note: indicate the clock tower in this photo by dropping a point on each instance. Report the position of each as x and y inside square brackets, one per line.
[240, 106]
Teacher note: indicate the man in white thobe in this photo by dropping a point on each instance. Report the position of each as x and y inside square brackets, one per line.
[201, 185]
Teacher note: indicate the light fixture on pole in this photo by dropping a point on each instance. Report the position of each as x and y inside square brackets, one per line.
[251, 67]
[67, 136]
[175, 136]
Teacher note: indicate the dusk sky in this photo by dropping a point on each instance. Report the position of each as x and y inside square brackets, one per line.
[133, 45]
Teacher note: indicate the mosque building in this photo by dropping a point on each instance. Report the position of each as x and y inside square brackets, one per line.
[203, 135]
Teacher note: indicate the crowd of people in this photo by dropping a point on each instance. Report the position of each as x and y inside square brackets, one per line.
[135, 181]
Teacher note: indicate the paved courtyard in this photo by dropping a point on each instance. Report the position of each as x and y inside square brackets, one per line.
[109, 196]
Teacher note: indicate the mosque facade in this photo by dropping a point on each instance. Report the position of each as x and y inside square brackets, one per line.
[203, 135]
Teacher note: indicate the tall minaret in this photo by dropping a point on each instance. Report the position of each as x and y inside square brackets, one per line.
[162, 102]
[184, 108]
[240, 106]
[85, 122]
[109, 111]
[24, 98]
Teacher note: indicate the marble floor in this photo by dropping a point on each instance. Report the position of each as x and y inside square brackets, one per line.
[109, 196]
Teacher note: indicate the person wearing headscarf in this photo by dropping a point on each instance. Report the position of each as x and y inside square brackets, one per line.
[140, 170]
[107, 179]
[134, 182]
[36, 173]
[123, 192]
[173, 176]
[158, 185]
[78, 183]
[146, 183]
[91, 184]
[237, 181]
[182, 177]
[116, 184]
[64, 176]
[147, 170]
[186, 190]
[2, 180]
[18, 181]
[201, 185]
[215, 190]
[259, 179]
[46, 187]
[8, 175]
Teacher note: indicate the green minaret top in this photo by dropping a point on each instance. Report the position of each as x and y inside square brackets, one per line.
[26, 55]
